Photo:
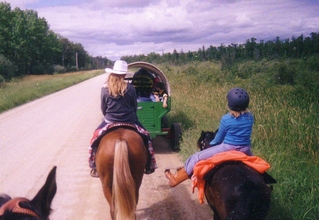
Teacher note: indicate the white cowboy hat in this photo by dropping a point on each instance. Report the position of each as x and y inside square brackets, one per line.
[120, 67]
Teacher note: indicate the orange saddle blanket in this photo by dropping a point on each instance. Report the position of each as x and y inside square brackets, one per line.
[203, 166]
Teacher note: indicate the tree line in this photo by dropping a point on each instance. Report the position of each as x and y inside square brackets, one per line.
[28, 46]
[296, 47]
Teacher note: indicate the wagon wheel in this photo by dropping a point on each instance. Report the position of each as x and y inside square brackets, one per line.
[176, 131]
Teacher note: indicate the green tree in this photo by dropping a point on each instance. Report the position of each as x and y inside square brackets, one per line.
[315, 42]
[250, 47]
[5, 29]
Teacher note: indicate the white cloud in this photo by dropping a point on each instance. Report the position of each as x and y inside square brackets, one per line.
[123, 27]
[20, 3]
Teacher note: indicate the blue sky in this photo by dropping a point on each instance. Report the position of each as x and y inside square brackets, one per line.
[115, 28]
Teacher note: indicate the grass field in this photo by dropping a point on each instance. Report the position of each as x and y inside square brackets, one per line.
[285, 134]
[20, 91]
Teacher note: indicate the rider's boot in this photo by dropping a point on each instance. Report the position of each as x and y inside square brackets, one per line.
[148, 168]
[92, 163]
[176, 179]
[94, 173]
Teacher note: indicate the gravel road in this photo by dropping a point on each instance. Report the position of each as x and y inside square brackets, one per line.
[56, 130]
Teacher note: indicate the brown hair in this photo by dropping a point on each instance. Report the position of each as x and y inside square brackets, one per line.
[116, 84]
[236, 114]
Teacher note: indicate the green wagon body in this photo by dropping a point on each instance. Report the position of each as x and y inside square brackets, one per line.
[152, 114]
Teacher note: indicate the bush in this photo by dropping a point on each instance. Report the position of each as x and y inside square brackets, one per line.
[285, 74]
[71, 69]
[40, 69]
[58, 69]
[248, 69]
[7, 68]
[2, 80]
[313, 63]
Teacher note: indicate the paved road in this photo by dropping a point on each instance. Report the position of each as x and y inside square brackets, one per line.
[55, 130]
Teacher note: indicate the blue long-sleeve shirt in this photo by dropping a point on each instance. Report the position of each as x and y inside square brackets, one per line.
[234, 131]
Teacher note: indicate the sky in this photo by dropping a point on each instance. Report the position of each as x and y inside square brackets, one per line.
[115, 28]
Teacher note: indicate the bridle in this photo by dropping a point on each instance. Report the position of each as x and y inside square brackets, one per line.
[203, 145]
[13, 205]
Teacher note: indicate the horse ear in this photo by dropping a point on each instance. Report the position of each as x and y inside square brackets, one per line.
[42, 201]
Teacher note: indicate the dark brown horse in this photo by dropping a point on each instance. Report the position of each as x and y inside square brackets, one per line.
[120, 162]
[234, 190]
[24, 209]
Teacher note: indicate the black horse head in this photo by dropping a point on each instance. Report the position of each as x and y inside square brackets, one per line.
[24, 209]
[205, 138]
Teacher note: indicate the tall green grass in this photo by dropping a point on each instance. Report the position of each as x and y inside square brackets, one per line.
[285, 133]
[20, 91]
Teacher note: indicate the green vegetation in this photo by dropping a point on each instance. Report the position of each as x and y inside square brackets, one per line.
[284, 101]
[286, 130]
[28, 46]
[22, 90]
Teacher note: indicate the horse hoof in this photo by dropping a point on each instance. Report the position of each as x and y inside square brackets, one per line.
[94, 173]
[149, 171]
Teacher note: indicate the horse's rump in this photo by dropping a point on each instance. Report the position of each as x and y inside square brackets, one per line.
[100, 133]
[120, 160]
[234, 188]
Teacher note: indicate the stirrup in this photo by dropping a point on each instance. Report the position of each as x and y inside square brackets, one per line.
[149, 170]
[94, 173]
[178, 168]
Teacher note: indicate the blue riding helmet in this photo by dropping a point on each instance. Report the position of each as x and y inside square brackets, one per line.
[238, 99]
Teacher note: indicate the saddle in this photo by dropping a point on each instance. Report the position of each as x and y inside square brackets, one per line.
[99, 134]
[209, 175]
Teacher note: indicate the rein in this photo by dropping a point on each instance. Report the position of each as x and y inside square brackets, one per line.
[13, 205]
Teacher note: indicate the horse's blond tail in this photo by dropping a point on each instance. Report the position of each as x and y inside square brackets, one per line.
[124, 198]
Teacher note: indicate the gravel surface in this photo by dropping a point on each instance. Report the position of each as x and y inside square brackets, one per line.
[56, 130]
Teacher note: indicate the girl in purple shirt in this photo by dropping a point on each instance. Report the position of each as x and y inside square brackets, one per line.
[119, 104]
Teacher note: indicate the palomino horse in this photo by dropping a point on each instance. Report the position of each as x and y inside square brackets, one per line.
[36, 209]
[234, 190]
[120, 161]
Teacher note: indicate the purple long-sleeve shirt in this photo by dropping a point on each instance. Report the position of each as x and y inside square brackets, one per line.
[119, 109]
